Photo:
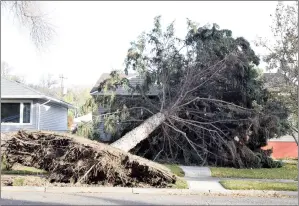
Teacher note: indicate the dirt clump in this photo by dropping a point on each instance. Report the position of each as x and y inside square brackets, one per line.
[78, 160]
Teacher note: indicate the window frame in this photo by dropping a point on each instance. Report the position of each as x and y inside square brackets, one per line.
[21, 102]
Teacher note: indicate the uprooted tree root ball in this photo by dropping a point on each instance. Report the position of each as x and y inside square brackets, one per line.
[78, 160]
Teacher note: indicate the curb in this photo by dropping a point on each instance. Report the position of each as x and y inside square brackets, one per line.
[89, 189]
[147, 191]
[23, 189]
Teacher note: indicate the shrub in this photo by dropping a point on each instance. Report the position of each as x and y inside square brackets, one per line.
[4, 163]
[18, 182]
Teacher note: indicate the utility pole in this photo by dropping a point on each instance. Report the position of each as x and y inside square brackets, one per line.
[62, 83]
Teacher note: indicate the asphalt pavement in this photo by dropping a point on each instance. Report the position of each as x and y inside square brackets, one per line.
[42, 198]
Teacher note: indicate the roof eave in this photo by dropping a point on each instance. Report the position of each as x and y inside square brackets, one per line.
[38, 97]
[120, 94]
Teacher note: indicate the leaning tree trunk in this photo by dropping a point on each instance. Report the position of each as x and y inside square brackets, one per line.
[132, 138]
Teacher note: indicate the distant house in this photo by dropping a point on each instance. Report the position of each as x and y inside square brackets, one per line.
[285, 146]
[25, 108]
[120, 91]
[273, 81]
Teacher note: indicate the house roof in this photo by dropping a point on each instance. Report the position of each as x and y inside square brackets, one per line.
[273, 80]
[103, 77]
[14, 90]
[134, 81]
[286, 138]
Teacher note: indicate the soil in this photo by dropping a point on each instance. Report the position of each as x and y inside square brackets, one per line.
[77, 161]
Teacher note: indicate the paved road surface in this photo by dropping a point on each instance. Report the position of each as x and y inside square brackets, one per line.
[41, 198]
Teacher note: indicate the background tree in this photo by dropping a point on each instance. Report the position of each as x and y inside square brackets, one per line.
[282, 56]
[7, 72]
[5, 69]
[29, 14]
[48, 85]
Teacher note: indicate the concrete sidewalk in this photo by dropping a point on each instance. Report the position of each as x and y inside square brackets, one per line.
[49, 198]
[123, 190]
[199, 178]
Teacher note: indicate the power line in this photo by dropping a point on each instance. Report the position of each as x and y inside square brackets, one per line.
[62, 83]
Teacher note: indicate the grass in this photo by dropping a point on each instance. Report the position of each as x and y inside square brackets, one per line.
[19, 169]
[18, 182]
[175, 169]
[287, 158]
[180, 184]
[288, 171]
[258, 185]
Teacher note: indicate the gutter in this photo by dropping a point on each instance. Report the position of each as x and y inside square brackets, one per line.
[94, 92]
[59, 101]
[38, 122]
[37, 97]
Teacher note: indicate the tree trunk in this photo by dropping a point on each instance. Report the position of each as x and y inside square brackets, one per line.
[295, 138]
[132, 138]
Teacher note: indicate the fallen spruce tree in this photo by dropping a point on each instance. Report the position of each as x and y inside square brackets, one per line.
[71, 159]
[209, 104]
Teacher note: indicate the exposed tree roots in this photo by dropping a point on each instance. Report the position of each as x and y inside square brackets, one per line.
[78, 160]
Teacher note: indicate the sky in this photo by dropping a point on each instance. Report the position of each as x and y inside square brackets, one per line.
[92, 37]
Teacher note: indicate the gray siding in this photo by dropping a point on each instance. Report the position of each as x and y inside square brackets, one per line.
[32, 126]
[106, 137]
[53, 117]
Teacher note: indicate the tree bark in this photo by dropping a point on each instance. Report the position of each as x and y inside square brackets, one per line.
[293, 135]
[132, 138]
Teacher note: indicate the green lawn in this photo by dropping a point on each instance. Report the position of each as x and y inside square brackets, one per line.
[180, 183]
[175, 169]
[19, 170]
[18, 182]
[288, 171]
[258, 185]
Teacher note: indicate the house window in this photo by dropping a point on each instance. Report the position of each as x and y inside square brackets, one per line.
[26, 112]
[16, 112]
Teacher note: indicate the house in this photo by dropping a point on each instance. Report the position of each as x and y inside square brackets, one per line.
[81, 119]
[25, 108]
[285, 146]
[273, 81]
[134, 80]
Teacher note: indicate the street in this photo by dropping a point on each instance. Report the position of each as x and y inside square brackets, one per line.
[41, 198]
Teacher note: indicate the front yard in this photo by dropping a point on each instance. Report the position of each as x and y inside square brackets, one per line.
[288, 171]
[175, 169]
[23, 170]
[21, 175]
[259, 185]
